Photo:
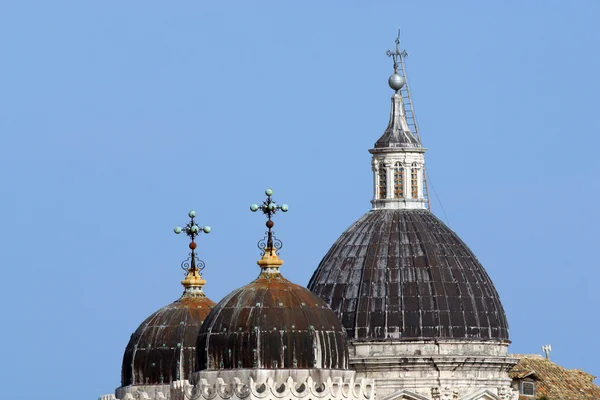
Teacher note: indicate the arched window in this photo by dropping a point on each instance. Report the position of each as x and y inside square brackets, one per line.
[398, 181]
[382, 181]
[414, 182]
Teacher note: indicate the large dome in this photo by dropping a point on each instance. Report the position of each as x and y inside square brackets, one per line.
[271, 323]
[163, 348]
[404, 275]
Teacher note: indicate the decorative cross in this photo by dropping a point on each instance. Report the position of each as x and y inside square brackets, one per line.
[269, 207]
[192, 230]
[397, 53]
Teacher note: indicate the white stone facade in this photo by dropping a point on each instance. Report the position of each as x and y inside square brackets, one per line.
[256, 384]
[435, 370]
[135, 392]
[274, 385]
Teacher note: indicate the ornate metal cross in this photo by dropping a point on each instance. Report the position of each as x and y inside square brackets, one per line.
[397, 53]
[269, 207]
[192, 230]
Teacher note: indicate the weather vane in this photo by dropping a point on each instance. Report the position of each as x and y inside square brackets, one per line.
[396, 54]
[192, 230]
[269, 207]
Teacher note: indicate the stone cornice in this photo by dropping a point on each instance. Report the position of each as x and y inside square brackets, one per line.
[398, 150]
[390, 363]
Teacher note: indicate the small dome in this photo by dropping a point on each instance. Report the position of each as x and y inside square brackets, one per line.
[404, 275]
[271, 323]
[163, 348]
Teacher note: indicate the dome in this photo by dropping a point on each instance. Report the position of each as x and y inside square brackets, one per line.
[404, 275]
[163, 348]
[271, 323]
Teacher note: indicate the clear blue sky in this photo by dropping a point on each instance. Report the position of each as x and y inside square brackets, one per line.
[116, 118]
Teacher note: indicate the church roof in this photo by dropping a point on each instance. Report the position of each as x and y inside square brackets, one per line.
[163, 348]
[271, 323]
[404, 275]
[554, 381]
[398, 134]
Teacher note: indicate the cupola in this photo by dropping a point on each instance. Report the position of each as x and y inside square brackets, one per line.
[163, 347]
[271, 323]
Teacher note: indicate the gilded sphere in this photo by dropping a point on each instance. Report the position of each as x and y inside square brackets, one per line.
[396, 82]
[192, 214]
[269, 192]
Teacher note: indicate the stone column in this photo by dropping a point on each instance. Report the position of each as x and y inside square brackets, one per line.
[389, 173]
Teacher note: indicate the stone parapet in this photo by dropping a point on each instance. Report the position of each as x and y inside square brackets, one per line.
[140, 392]
[336, 388]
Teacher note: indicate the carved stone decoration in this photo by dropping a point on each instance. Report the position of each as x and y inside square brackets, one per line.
[506, 393]
[332, 389]
[445, 393]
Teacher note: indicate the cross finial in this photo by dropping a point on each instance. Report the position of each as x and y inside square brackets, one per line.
[269, 207]
[192, 265]
[397, 53]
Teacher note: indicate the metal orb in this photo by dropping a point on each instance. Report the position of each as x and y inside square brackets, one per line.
[254, 207]
[206, 229]
[195, 229]
[272, 207]
[193, 245]
[270, 224]
[396, 82]
[284, 207]
[269, 192]
[192, 214]
[177, 230]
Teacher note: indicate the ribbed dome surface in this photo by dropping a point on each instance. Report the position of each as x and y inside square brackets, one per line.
[271, 323]
[163, 348]
[404, 275]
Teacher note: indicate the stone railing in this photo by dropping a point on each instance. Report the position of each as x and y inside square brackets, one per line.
[331, 389]
[140, 392]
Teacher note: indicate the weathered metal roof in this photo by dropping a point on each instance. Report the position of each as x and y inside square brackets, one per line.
[163, 348]
[271, 323]
[398, 134]
[404, 275]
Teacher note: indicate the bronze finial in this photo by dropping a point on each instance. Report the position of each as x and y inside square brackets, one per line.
[192, 265]
[269, 207]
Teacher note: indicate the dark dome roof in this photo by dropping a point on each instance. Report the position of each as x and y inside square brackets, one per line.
[271, 323]
[163, 349]
[403, 274]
